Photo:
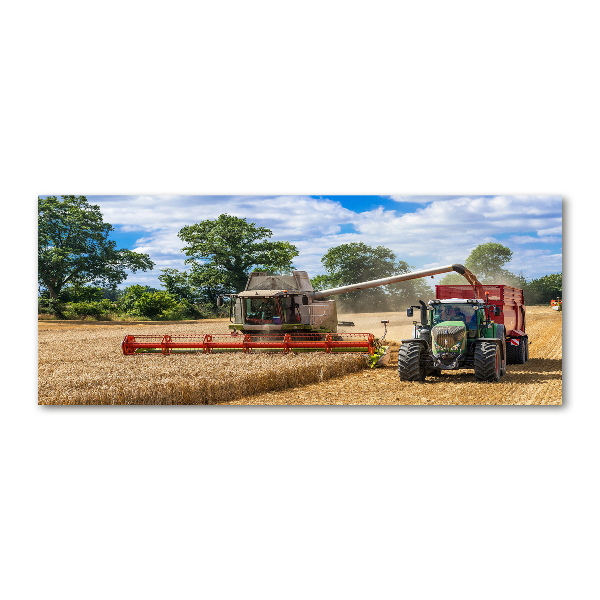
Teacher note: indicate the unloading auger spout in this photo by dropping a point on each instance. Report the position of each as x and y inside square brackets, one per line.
[404, 277]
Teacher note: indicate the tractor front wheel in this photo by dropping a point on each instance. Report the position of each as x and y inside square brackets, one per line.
[410, 365]
[487, 361]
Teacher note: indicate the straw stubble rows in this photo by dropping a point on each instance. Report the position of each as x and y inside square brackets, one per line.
[539, 381]
[83, 364]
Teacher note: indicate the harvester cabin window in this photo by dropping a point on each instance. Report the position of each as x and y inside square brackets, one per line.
[279, 310]
[450, 312]
[260, 310]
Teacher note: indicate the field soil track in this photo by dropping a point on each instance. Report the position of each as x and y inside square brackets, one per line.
[539, 381]
[81, 363]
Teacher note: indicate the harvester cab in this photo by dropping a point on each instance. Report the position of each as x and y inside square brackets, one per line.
[281, 303]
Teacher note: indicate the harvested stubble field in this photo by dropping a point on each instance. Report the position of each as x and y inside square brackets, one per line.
[82, 363]
[539, 381]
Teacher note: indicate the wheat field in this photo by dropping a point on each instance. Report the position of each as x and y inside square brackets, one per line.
[82, 363]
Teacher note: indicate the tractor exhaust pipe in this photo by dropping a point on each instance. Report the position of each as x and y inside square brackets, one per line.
[396, 278]
[423, 313]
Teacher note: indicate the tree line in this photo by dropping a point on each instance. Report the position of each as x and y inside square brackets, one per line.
[488, 262]
[79, 268]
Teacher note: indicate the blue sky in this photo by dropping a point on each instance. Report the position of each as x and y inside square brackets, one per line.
[424, 231]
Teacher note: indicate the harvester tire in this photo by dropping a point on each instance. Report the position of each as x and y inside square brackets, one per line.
[487, 361]
[410, 365]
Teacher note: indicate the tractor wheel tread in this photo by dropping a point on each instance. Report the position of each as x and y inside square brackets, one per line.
[409, 362]
[487, 361]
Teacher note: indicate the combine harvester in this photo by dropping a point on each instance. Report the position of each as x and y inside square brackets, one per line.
[283, 313]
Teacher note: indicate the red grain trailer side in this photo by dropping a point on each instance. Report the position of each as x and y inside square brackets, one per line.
[512, 313]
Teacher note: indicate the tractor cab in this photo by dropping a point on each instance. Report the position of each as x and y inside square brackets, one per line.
[457, 312]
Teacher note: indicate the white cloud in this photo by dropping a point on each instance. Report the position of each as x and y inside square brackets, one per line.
[450, 229]
[545, 262]
[556, 230]
[442, 231]
[160, 243]
[152, 213]
[422, 199]
[529, 239]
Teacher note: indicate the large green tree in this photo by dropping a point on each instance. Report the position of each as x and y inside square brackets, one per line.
[225, 250]
[178, 284]
[74, 247]
[194, 292]
[544, 289]
[487, 262]
[356, 262]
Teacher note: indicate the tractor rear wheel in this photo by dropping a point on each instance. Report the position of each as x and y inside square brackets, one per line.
[487, 361]
[410, 365]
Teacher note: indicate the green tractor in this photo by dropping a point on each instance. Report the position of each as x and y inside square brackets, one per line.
[454, 334]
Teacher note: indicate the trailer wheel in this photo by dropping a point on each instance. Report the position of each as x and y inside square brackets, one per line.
[487, 361]
[504, 358]
[517, 355]
[410, 365]
[521, 352]
[526, 348]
